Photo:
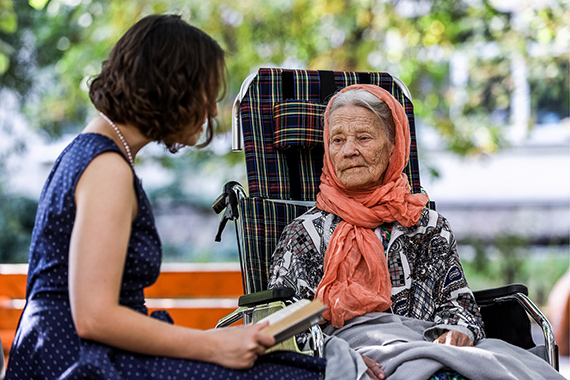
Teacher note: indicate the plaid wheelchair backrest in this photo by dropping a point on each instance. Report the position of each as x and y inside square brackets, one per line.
[281, 116]
[262, 221]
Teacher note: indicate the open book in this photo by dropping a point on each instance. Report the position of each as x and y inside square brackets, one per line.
[294, 319]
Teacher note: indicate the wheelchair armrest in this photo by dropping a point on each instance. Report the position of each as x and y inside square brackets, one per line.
[518, 293]
[232, 318]
[248, 302]
[266, 296]
[489, 295]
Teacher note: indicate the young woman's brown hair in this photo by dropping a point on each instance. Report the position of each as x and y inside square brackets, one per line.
[164, 77]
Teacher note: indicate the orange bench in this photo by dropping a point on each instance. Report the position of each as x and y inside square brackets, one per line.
[195, 295]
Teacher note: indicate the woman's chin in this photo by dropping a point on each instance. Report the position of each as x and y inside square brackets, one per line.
[357, 185]
[357, 182]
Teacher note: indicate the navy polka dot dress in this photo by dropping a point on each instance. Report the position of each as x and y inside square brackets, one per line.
[46, 345]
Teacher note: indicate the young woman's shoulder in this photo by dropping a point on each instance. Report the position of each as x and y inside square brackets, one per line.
[108, 169]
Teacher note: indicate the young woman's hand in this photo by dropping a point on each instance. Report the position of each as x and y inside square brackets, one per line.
[239, 346]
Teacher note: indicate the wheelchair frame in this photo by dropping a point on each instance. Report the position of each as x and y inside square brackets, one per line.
[230, 200]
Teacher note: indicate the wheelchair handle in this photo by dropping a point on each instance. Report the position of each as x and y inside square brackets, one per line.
[228, 200]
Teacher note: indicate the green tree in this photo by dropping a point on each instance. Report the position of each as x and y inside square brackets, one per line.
[16, 225]
[456, 56]
[50, 49]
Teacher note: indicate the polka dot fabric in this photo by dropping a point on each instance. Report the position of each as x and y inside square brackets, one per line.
[46, 345]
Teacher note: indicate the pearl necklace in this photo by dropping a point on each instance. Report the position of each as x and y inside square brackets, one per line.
[121, 137]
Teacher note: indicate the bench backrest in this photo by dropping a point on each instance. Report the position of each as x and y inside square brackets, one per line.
[195, 295]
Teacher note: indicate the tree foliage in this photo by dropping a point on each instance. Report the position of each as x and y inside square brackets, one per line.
[16, 225]
[457, 57]
[50, 48]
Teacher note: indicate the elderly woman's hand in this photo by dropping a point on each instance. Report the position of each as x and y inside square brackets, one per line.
[374, 370]
[454, 338]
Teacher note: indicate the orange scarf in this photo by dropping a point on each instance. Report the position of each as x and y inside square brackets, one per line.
[356, 278]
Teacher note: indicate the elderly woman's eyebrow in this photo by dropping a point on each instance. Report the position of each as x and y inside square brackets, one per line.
[358, 129]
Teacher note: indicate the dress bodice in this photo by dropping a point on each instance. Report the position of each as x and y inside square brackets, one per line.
[49, 251]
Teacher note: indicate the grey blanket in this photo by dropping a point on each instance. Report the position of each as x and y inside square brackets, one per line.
[399, 345]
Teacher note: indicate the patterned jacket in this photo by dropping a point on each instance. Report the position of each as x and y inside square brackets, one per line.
[428, 282]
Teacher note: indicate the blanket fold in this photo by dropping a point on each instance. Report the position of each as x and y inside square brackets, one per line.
[399, 345]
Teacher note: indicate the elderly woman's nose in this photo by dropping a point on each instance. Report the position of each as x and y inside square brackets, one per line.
[350, 147]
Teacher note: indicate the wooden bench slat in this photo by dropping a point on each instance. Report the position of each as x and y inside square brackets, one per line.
[13, 285]
[9, 318]
[169, 284]
[196, 284]
[7, 337]
[202, 319]
[172, 283]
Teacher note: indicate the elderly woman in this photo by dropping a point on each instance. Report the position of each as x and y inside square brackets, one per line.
[370, 245]
[386, 266]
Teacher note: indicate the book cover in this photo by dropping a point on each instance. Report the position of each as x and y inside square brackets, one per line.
[294, 319]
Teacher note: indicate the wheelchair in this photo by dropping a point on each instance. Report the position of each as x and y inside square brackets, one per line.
[276, 118]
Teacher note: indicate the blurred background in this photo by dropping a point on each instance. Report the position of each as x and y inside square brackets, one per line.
[490, 87]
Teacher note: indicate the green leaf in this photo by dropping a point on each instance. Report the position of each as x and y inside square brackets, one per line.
[37, 4]
[4, 63]
[8, 18]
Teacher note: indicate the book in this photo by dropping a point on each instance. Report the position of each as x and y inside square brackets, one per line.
[294, 319]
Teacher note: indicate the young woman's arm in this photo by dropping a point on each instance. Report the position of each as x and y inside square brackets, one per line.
[106, 206]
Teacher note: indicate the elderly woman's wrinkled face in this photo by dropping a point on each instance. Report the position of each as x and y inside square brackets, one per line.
[359, 148]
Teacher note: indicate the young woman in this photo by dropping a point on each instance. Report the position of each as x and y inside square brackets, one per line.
[95, 246]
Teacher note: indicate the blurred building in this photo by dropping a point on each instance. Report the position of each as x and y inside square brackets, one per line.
[522, 190]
